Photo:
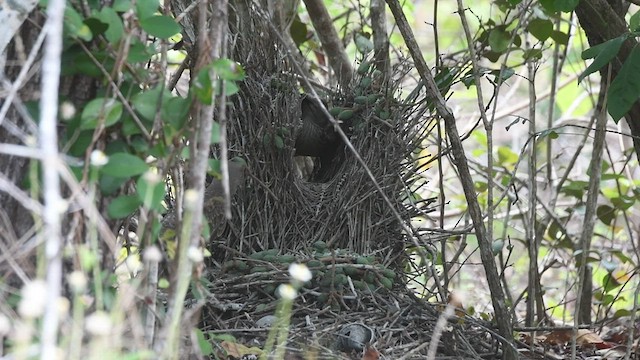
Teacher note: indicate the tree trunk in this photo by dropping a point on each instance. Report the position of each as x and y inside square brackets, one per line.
[603, 20]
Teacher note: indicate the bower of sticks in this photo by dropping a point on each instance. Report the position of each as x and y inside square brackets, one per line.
[348, 219]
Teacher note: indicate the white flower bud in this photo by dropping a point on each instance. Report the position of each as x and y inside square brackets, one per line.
[77, 282]
[5, 325]
[98, 158]
[99, 324]
[300, 272]
[286, 291]
[152, 254]
[67, 110]
[195, 254]
[34, 299]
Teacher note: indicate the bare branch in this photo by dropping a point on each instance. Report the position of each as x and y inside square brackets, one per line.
[331, 43]
[51, 180]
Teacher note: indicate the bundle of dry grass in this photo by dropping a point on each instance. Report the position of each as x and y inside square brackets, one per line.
[278, 208]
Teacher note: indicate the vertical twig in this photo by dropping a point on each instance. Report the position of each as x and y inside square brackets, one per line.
[488, 124]
[532, 241]
[51, 181]
[583, 304]
[380, 37]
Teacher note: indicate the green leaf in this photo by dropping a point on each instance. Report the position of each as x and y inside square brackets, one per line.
[215, 133]
[623, 202]
[160, 26]
[575, 189]
[146, 8]
[278, 142]
[560, 37]
[622, 313]
[231, 88]
[606, 214]
[214, 168]
[74, 24]
[506, 156]
[603, 53]
[634, 22]
[298, 31]
[551, 133]
[203, 86]
[610, 283]
[175, 111]
[115, 30]
[96, 26]
[499, 40]
[624, 258]
[109, 184]
[480, 186]
[123, 206]
[547, 5]
[138, 52]
[124, 165]
[625, 88]
[540, 28]
[228, 69]
[506, 74]
[205, 346]
[100, 110]
[532, 54]
[363, 44]
[151, 194]
[565, 5]
[147, 103]
[122, 5]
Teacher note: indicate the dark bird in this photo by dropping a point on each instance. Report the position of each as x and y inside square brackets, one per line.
[317, 137]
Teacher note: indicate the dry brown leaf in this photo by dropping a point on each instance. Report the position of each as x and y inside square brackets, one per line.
[587, 337]
[558, 337]
[370, 353]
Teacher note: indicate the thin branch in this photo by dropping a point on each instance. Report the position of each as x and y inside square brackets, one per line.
[583, 304]
[330, 40]
[50, 175]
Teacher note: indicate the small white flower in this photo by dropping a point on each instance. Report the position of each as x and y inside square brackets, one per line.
[190, 199]
[151, 177]
[286, 291]
[300, 272]
[5, 325]
[99, 324]
[195, 254]
[34, 299]
[67, 110]
[98, 158]
[62, 206]
[152, 254]
[31, 141]
[63, 306]
[77, 281]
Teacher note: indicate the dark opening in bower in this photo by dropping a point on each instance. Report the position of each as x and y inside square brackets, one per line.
[318, 138]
